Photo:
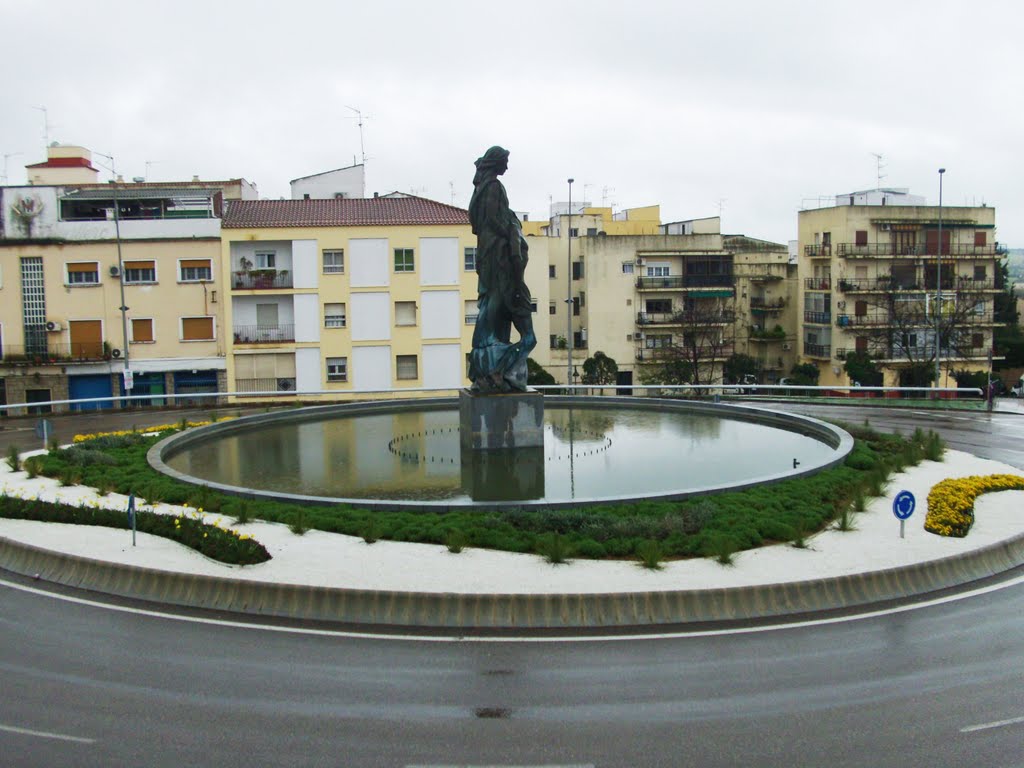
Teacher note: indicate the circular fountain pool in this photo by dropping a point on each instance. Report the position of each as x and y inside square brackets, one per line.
[407, 453]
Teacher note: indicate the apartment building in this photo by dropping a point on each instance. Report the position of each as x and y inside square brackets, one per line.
[350, 295]
[877, 278]
[99, 279]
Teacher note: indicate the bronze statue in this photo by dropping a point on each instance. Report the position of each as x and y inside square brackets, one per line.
[503, 300]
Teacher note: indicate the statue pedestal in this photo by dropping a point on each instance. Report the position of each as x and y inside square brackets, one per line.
[500, 421]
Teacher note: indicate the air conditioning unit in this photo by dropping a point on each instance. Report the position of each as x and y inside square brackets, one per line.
[638, 336]
[786, 346]
[115, 271]
[841, 304]
[116, 353]
[639, 262]
[53, 326]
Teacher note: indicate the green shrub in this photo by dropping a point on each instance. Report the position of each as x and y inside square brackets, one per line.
[298, 525]
[650, 554]
[554, 548]
[455, 541]
[371, 531]
[13, 458]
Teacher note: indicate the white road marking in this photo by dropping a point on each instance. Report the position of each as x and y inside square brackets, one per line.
[46, 734]
[494, 765]
[513, 638]
[996, 724]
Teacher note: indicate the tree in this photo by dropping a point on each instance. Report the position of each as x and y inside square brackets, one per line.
[861, 368]
[899, 323]
[1008, 341]
[738, 367]
[600, 369]
[804, 375]
[536, 374]
[694, 351]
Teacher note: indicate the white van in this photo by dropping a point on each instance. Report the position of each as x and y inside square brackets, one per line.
[1017, 390]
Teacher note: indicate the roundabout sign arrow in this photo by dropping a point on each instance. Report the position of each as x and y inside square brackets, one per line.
[903, 507]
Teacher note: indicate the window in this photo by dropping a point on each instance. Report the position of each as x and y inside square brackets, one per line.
[574, 232]
[980, 239]
[583, 299]
[658, 341]
[405, 313]
[553, 340]
[551, 271]
[471, 311]
[266, 315]
[406, 367]
[266, 259]
[195, 270]
[84, 273]
[658, 270]
[552, 308]
[334, 316]
[142, 331]
[334, 262]
[861, 236]
[576, 305]
[337, 369]
[404, 261]
[577, 270]
[658, 306]
[197, 329]
[979, 271]
[139, 272]
[627, 267]
[977, 340]
[470, 260]
[591, 231]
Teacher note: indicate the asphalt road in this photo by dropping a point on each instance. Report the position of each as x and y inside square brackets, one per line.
[936, 686]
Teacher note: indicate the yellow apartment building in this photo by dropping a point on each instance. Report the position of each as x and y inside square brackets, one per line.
[873, 269]
[352, 295]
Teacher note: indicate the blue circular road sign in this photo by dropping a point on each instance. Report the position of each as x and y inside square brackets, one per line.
[903, 505]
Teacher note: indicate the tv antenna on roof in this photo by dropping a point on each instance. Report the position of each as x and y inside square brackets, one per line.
[6, 157]
[46, 125]
[149, 163]
[359, 119]
[879, 165]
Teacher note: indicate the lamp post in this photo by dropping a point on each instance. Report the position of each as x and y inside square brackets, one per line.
[568, 293]
[126, 380]
[938, 290]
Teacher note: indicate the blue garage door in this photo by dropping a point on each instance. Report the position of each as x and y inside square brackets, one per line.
[85, 387]
[189, 382]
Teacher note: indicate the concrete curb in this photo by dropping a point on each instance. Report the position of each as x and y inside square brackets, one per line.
[508, 611]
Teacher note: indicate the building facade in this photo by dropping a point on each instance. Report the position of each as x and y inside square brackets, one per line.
[877, 278]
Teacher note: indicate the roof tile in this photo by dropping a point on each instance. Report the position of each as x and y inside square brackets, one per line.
[346, 212]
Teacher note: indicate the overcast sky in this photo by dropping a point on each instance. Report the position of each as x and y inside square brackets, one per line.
[756, 108]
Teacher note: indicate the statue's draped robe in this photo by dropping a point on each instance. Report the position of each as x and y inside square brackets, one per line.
[502, 296]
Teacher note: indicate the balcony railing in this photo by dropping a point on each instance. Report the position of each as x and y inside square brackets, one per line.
[817, 251]
[818, 283]
[760, 304]
[687, 317]
[888, 284]
[261, 280]
[821, 318]
[685, 281]
[264, 334]
[852, 250]
[906, 319]
[56, 353]
[279, 384]
[817, 350]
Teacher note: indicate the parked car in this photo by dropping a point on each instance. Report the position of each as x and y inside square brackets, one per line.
[1017, 390]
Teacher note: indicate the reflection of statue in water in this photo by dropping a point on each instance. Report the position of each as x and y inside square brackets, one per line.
[496, 364]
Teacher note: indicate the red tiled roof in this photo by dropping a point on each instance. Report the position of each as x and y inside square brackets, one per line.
[346, 212]
[64, 162]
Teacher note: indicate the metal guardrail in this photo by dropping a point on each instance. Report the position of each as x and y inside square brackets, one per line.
[821, 318]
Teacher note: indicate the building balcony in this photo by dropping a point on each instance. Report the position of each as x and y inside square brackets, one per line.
[705, 353]
[471, 318]
[760, 305]
[680, 282]
[687, 317]
[899, 250]
[264, 334]
[818, 318]
[817, 350]
[279, 384]
[818, 251]
[889, 285]
[261, 280]
[818, 283]
[907, 319]
[53, 353]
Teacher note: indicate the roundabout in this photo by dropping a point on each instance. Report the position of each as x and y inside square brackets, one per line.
[937, 685]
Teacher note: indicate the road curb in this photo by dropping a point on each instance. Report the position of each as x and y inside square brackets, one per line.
[508, 611]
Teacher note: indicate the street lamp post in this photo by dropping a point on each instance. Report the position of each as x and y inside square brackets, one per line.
[568, 294]
[127, 375]
[938, 290]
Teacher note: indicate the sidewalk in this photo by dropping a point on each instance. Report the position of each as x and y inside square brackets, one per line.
[320, 559]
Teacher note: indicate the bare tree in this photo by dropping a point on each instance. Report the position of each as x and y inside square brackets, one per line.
[692, 343]
[895, 324]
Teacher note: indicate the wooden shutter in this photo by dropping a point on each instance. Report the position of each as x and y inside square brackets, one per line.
[140, 265]
[90, 266]
[195, 263]
[142, 330]
[196, 328]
